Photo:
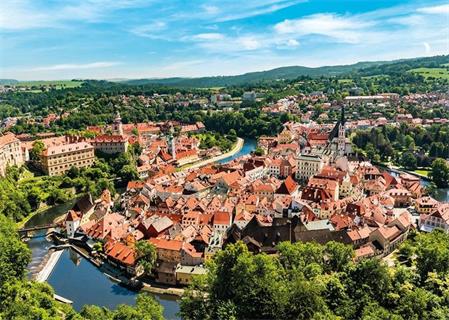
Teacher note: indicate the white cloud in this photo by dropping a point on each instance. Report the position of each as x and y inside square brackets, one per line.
[151, 30]
[249, 43]
[342, 28]
[208, 36]
[211, 9]
[29, 14]
[441, 9]
[292, 43]
[240, 12]
[69, 66]
[427, 47]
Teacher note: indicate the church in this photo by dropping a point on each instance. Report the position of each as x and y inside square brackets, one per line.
[339, 145]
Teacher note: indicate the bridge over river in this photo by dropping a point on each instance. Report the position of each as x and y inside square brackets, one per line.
[29, 231]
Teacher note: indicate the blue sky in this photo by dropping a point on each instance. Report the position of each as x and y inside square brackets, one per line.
[64, 39]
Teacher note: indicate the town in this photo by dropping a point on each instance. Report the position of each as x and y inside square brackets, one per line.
[306, 184]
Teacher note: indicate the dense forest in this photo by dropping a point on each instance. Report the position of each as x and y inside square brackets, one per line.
[312, 281]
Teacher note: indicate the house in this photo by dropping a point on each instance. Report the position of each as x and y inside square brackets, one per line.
[387, 238]
[439, 218]
[308, 166]
[158, 226]
[189, 255]
[425, 205]
[122, 256]
[10, 152]
[165, 272]
[185, 274]
[85, 206]
[226, 180]
[72, 223]
[288, 187]
[57, 160]
[221, 221]
[110, 144]
[111, 226]
[167, 250]
[402, 197]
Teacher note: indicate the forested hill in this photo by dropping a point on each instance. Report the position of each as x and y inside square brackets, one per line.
[293, 72]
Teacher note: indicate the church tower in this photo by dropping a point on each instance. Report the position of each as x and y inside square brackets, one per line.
[342, 134]
[117, 126]
[172, 143]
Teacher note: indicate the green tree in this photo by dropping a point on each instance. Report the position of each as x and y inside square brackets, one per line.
[36, 150]
[408, 160]
[128, 173]
[432, 253]
[440, 173]
[337, 256]
[146, 255]
[14, 254]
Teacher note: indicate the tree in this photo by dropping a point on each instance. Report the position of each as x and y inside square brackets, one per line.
[440, 173]
[146, 308]
[408, 160]
[405, 253]
[128, 173]
[14, 254]
[90, 312]
[146, 255]
[36, 150]
[337, 256]
[259, 151]
[432, 253]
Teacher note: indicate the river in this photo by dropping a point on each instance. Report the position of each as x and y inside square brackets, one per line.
[249, 146]
[441, 195]
[77, 279]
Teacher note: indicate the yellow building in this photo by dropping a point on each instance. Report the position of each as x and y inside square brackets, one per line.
[185, 274]
[57, 160]
[10, 152]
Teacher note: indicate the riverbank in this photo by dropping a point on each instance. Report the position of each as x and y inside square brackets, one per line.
[24, 221]
[238, 146]
[413, 173]
[46, 214]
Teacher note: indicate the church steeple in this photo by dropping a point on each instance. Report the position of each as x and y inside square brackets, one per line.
[342, 133]
[117, 127]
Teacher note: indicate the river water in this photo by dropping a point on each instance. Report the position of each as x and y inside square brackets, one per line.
[249, 146]
[77, 279]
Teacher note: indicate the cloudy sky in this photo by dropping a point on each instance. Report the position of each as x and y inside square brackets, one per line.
[64, 39]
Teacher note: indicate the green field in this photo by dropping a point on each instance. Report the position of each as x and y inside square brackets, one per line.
[58, 84]
[376, 77]
[345, 81]
[423, 172]
[437, 73]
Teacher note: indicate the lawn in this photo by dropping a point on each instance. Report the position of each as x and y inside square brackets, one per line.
[438, 73]
[423, 172]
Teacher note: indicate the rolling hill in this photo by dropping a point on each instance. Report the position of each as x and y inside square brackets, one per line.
[293, 72]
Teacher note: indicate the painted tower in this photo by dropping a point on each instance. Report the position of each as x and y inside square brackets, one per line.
[342, 134]
[72, 223]
[117, 126]
[172, 143]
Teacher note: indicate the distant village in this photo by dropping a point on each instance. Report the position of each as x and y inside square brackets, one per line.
[307, 184]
